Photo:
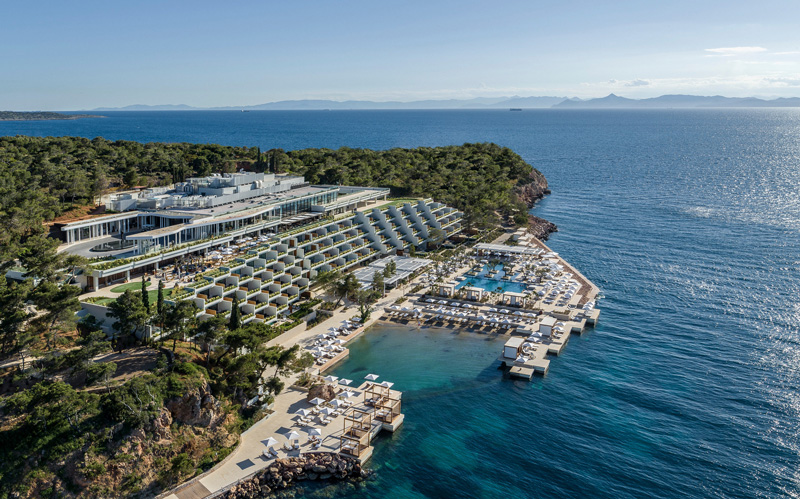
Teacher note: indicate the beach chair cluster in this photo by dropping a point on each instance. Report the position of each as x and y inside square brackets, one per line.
[328, 345]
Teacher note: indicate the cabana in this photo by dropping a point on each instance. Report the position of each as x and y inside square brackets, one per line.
[388, 408]
[546, 326]
[513, 299]
[357, 427]
[447, 289]
[513, 347]
[473, 293]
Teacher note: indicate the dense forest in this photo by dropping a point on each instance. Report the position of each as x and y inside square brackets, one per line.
[479, 179]
[40, 115]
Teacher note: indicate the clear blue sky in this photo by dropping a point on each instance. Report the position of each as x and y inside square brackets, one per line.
[60, 55]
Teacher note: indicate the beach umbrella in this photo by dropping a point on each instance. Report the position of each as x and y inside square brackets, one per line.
[345, 381]
[303, 412]
[293, 436]
[270, 442]
[314, 431]
[331, 379]
[339, 342]
[326, 411]
[387, 384]
[371, 377]
[317, 401]
[337, 403]
[520, 359]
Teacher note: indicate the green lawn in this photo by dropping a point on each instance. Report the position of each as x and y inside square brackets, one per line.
[396, 202]
[136, 286]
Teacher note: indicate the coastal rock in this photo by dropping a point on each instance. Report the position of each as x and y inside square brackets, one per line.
[541, 228]
[529, 192]
[534, 189]
[282, 473]
[198, 407]
[325, 391]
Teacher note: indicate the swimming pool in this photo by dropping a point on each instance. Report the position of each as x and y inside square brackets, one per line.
[492, 284]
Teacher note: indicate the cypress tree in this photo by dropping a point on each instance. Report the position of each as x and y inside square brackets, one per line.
[145, 296]
[160, 299]
[236, 315]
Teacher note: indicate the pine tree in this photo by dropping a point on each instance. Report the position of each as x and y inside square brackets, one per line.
[236, 315]
[145, 296]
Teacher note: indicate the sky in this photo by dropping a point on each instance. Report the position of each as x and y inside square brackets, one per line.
[59, 55]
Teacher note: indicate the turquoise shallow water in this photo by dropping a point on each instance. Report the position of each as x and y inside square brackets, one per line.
[688, 220]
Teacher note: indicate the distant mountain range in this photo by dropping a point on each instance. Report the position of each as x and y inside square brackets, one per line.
[317, 105]
[516, 102]
[612, 101]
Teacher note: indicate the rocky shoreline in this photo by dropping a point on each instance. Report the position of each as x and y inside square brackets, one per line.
[284, 472]
[531, 192]
[534, 189]
[541, 228]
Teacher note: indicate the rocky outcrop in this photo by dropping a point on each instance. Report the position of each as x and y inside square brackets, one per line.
[197, 407]
[325, 391]
[533, 189]
[162, 423]
[541, 228]
[284, 472]
[529, 192]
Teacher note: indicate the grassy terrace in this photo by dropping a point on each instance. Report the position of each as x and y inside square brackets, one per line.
[396, 202]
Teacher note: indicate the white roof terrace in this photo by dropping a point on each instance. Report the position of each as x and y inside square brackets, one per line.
[502, 248]
[99, 219]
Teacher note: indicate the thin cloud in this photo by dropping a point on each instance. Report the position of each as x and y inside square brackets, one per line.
[732, 51]
[788, 82]
[638, 82]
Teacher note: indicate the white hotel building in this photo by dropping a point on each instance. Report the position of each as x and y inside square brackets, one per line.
[301, 230]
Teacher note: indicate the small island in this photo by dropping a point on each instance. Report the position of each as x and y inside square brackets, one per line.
[41, 115]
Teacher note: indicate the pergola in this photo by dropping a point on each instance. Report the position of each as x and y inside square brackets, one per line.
[357, 427]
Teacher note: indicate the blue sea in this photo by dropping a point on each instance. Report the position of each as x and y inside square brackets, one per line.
[688, 220]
